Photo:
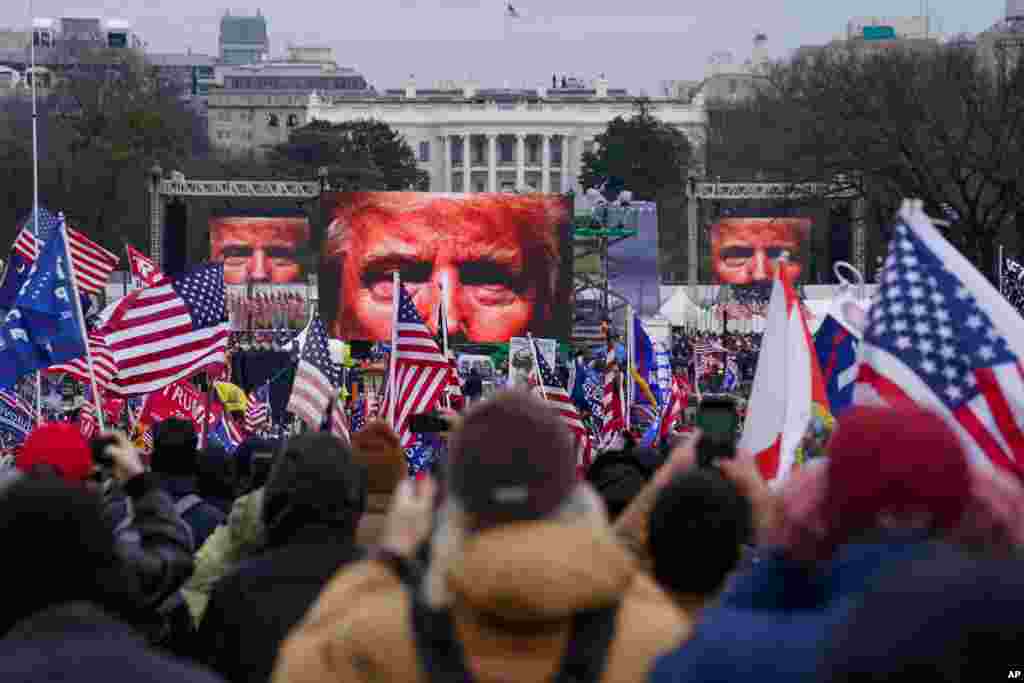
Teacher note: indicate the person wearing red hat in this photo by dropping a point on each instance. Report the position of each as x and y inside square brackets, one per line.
[153, 546]
[895, 488]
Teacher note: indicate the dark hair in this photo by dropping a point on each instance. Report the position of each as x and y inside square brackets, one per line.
[313, 481]
[216, 474]
[699, 512]
[618, 477]
[174, 447]
[253, 461]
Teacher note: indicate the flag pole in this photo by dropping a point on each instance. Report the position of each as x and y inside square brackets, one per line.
[999, 270]
[443, 312]
[630, 341]
[396, 296]
[35, 189]
[63, 235]
[536, 365]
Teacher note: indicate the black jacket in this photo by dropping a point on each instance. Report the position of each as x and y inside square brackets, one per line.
[203, 518]
[155, 546]
[79, 642]
[252, 609]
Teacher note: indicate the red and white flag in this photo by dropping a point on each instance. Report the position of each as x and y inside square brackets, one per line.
[787, 382]
[159, 335]
[421, 371]
[92, 263]
[143, 269]
[556, 394]
[339, 421]
[316, 378]
[941, 337]
[102, 361]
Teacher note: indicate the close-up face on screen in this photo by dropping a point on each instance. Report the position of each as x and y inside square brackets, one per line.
[260, 249]
[495, 261]
[745, 251]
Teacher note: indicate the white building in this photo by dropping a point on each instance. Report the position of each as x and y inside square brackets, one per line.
[488, 140]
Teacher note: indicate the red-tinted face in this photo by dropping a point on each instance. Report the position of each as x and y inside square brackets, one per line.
[256, 249]
[481, 275]
[745, 250]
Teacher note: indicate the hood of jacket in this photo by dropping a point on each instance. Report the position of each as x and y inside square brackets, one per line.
[540, 571]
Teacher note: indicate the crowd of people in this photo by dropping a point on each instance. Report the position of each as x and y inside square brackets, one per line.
[316, 560]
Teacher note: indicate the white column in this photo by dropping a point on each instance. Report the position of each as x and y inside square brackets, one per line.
[467, 161]
[567, 182]
[520, 160]
[492, 162]
[545, 169]
[447, 185]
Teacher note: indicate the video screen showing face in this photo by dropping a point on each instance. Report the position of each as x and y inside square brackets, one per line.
[260, 248]
[745, 251]
[501, 262]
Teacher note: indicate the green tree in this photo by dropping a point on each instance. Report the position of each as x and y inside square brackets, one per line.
[642, 154]
[364, 154]
[938, 123]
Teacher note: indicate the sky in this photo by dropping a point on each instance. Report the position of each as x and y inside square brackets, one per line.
[636, 44]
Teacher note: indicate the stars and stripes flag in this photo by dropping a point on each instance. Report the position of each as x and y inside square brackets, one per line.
[102, 361]
[87, 423]
[673, 409]
[358, 418]
[339, 421]
[92, 263]
[16, 402]
[143, 269]
[421, 371]
[316, 379]
[556, 394]
[257, 413]
[614, 419]
[1012, 283]
[161, 334]
[940, 337]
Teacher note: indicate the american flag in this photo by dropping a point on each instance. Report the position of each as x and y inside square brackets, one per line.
[102, 361]
[556, 394]
[16, 402]
[257, 413]
[87, 422]
[339, 421]
[940, 337]
[421, 371]
[161, 334]
[358, 415]
[611, 405]
[316, 379]
[1012, 283]
[92, 263]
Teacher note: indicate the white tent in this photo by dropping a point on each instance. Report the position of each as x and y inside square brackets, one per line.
[678, 309]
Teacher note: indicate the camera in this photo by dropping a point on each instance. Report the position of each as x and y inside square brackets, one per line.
[719, 422]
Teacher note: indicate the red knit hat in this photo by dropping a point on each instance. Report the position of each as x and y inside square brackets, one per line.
[898, 462]
[61, 446]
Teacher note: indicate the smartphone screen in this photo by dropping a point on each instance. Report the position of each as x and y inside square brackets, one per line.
[720, 421]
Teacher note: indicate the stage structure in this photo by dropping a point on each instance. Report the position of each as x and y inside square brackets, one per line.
[840, 189]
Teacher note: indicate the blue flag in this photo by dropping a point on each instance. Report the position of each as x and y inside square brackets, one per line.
[24, 253]
[222, 435]
[644, 362]
[836, 347]
[42, 329]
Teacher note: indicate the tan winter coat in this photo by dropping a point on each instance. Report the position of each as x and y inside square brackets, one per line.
[515, 590]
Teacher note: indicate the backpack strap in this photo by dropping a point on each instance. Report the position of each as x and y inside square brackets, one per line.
[186, 503]
[438, 649]
[586, 653]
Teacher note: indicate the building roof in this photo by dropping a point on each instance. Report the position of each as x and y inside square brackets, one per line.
[244, 30]
[168, 59]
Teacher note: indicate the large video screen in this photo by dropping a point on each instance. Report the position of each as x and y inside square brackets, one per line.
[745, 250]
[261, 246]
[503, 263]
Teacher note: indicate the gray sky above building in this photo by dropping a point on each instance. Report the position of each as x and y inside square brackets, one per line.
[636, 44]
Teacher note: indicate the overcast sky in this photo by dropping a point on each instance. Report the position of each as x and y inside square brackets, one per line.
[636, 43]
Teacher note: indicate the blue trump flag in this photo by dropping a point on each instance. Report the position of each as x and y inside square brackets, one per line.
[836, 347]
[43, 328]
[23, 254]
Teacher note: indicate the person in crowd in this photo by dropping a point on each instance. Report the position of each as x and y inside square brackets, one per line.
[253, 460]
[70, 599]
[953, 618]
[217, 478]
[312, 504]
[525, 579]
[175, 461]
[152, 545]
[618, 476]
[377, 448]
[259, 249]
[699, 509]
[895, 484]
[474, 387]
[496, 260]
